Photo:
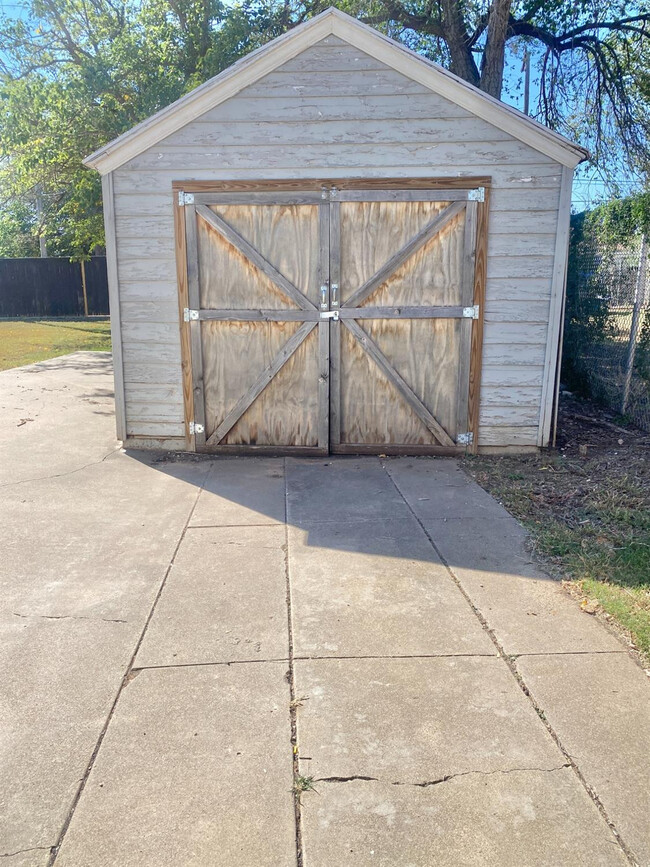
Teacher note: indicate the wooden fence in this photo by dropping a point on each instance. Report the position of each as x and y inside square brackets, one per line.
[53, 287]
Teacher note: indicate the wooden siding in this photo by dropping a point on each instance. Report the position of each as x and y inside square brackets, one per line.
[334, 112]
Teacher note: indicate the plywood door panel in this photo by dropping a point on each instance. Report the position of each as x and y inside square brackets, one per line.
[260, 378]
[404, 368]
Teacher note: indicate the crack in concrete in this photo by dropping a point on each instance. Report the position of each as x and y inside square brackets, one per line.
[22, 851]
[68, 617]
[61, 475]
[425, 784]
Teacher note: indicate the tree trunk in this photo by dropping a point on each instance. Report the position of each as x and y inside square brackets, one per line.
[458, 42]
[495, 48]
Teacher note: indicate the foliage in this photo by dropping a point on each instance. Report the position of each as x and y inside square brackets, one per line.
[18, 232]
[601, 286]
[617, 222]
[74, 74]
[587, 320]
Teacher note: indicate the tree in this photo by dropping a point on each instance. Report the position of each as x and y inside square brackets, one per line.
[588, 54]
[76, 73]
[18, 232]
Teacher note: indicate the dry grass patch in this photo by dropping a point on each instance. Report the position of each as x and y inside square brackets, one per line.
[587, 505]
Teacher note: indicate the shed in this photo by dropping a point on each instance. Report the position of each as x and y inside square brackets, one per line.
[336, 245]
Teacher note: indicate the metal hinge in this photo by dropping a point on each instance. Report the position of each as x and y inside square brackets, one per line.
[465, 439]
[185, 198]
[330, 314]
[189, 315]
[477, 195]
[196, 428]
[470, 312]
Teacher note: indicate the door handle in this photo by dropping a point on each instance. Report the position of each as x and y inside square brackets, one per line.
[335, 294]
[323, 296]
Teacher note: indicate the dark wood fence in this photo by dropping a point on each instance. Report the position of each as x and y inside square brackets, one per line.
[53, 287]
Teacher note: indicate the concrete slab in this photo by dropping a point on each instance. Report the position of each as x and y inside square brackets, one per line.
[59, 680]
[518, 819]
[242, 491]
[528, 611]
[195, 769]
[59, 413]
[88, 533]
[95, 543]
[225, 599]
[434, 490]
[599, 705]
[417, 720]
[376, 589]
[340, 489]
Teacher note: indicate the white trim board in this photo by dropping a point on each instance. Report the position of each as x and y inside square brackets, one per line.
[114, 305]
[558, 289]
[269, 57]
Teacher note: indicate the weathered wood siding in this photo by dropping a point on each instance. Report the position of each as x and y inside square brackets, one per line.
[331, 112]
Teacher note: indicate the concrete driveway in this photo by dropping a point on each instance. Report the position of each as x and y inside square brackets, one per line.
[185, 643]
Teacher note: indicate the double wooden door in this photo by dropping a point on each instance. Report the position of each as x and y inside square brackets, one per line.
[334, 320]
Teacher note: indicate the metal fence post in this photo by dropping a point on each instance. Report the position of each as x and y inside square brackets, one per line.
[639, 304]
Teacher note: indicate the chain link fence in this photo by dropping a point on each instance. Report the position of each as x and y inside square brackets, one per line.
[607, 327]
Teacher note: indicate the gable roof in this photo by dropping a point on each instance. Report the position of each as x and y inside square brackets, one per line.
[269, 57]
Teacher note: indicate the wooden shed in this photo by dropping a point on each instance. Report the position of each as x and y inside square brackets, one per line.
[336, 246]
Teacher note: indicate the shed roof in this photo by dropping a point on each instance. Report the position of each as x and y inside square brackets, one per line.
[269, 57]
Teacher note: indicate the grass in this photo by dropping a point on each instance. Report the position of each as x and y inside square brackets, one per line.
[303, 784]
[24, 341]
[589, 516]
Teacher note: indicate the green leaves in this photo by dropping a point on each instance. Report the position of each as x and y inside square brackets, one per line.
[74, 74]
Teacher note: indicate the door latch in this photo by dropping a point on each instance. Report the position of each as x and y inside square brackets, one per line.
[330, 314]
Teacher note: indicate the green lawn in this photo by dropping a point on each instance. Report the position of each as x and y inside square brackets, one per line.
[24, 341]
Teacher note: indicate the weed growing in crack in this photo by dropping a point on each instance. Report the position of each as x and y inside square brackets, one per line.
[303, 784]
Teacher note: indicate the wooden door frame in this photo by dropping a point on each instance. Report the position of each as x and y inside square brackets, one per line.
[294, 187]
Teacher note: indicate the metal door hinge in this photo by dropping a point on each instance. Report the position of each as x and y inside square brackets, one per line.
[330, 314]
[471, 312]
[477, 195]
[189, 315]
[185, 198]
[196, 428]
[465, 439]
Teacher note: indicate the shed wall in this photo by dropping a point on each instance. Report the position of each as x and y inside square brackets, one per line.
[335, 112]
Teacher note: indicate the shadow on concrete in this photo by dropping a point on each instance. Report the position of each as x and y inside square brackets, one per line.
[423, 509]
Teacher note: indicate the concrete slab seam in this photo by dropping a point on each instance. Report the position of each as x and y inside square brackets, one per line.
[227, 662]
[128, 676]
[510, 662]
[293, 700]
[230, 526]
